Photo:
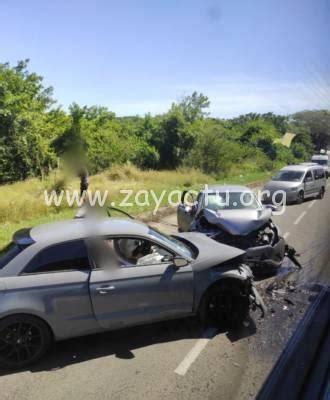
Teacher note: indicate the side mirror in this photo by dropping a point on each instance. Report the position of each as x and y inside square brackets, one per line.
[180, 261]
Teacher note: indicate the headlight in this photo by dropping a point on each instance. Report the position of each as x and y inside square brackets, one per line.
[294, 189]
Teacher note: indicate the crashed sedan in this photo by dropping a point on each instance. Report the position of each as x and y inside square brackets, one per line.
[233, 215]
[82, 276]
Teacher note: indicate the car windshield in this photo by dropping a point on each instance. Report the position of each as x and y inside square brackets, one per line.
[8, 253]
[170, 241]
[321, 162]
[289, 176]
[231, 201]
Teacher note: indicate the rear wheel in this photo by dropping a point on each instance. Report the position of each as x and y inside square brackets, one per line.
[23, 340]
[321, 194]
[300, 197]
[225, 305]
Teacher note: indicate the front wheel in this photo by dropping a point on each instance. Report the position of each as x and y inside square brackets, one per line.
[225, 305]
[301, 197]
[23, 340]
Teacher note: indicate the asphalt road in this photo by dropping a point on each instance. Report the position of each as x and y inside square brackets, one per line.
[177, 359]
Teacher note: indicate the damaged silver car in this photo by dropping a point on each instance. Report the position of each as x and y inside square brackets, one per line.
[233, 215]
[82, 276]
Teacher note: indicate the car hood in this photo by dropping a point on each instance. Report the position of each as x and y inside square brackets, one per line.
[210, 252]
[238, 222]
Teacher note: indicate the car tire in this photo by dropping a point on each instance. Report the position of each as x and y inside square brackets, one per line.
[225, 305]
[300, 197]
[321, 194]
[24, 339]
[265, 271]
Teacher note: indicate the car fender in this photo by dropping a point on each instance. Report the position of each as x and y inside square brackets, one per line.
[27, 311]
[12, 305]
[206, 279]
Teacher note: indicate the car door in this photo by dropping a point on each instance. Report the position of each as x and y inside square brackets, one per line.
[309, 184]
[124, 295]
[185, 217]
[186, 212]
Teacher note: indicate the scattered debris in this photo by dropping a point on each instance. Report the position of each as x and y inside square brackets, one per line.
[289, 301]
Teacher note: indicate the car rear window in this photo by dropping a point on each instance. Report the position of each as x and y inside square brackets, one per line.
[9, 253]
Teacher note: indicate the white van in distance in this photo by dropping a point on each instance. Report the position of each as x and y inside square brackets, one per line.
[323, 161]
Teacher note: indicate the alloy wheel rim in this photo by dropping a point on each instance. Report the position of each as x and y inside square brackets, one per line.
[20, 342]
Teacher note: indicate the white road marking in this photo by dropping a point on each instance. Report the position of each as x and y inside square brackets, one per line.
[301, 216]
[310, 205]
[286, 235]
[195, 351]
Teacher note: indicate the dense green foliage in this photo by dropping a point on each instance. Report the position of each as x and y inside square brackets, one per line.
[27, 124]
[316, 123]
[35, 134]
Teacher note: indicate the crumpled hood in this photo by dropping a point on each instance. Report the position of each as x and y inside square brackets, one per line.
[238, 222]
[210, 252]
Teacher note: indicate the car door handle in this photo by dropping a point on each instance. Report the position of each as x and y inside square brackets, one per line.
[105, 289]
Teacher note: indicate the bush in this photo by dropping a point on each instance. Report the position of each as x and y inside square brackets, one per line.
[299, 151]
[58, 185]
[123, 172]
[212, 153]
[146, 157]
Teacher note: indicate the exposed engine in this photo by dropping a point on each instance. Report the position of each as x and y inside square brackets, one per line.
[266, 235]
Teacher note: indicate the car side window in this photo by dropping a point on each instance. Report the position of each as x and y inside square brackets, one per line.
[128, 252]
[308, 176]
[61, 257]
[319, 174]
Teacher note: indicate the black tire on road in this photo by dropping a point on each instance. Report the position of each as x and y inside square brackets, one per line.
[300, 197]
[225, 305]
[321, 194]
[24, 339]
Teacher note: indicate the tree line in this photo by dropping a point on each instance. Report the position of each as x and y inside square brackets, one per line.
[35, 133]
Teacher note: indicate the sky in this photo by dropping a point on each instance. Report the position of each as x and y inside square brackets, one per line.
[139, 56]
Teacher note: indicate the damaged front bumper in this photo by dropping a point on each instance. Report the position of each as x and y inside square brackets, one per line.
[268, 255]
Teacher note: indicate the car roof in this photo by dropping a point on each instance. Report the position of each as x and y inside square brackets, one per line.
[225, 188]
[81, 228]
[299, 167]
